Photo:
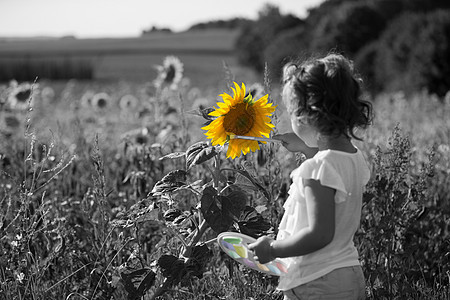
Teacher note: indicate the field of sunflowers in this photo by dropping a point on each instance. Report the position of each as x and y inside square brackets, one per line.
[112, 190]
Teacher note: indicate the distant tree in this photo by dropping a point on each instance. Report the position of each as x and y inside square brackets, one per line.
[365, 64]
[289, 44]
[348, 28]
[256, 36]
[249, 48]
[413, 53]
[155, 29]
[234, 23]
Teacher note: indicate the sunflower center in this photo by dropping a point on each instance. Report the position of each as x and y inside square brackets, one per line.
[24, 95]
[240, 119]
[102, 103]
[170, 74]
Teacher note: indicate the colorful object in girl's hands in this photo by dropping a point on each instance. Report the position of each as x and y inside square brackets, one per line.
[236, 246]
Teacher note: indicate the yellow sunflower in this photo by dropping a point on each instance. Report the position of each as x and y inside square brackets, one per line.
[240, 115]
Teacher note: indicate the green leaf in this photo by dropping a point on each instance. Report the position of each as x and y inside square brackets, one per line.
[171, 214]
[199, 153]
[196, 265]
[172, 267]
[205, 113]
[252, 223]
[253, 180]
[138, 282]
[169, 183]
[143, 211]
[220, 211]
[173, 155]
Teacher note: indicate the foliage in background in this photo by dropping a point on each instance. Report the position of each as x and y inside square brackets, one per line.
[414, 52]
[256, 36]
[397, 44]
[64, 68]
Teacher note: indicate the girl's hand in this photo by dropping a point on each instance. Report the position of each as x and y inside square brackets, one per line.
[290, 141]
[262, 249]
[295, 144]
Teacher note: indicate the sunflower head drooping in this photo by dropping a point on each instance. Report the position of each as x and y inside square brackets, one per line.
[170, 73]
[240, 115]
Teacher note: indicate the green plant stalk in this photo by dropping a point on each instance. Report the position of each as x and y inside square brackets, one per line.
[110, 262]
[216, 172]
[68, 276]
[201, 230]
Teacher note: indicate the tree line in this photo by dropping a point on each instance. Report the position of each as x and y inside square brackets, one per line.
[395, 44]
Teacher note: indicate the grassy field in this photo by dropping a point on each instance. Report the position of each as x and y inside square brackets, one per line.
[88, 211]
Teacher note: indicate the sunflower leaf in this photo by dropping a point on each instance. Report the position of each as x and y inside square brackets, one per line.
[172, 267]
[199, 153]
[205, 113]
[220, 211]
[138, 282]
[252, 223]
[169, 183]
[252, 179]
[200, 257]
[173, 155]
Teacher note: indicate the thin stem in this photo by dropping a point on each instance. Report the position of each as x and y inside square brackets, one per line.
[70, 275]
[217, 172]
[110, 262]
[201, 230]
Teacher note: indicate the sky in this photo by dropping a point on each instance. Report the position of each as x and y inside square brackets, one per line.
[126, 18]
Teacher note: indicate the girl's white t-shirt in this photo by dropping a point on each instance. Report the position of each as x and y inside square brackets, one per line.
[348, 174]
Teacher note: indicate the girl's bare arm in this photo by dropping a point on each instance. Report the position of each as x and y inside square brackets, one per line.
[295, 144]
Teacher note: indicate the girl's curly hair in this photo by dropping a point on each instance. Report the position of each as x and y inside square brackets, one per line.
[327, 93]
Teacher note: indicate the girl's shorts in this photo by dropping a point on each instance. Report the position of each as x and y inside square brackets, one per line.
[343, 283]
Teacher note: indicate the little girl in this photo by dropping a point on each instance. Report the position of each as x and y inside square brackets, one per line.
[323, 210]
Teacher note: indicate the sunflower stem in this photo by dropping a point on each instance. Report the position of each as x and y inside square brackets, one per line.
[216, 172]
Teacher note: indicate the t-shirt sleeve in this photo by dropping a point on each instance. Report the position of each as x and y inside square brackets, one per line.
[327, 175]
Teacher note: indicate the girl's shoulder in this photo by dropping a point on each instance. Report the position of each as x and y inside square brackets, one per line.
[332, 163]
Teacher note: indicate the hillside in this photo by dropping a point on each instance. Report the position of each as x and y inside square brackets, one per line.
[201, 41]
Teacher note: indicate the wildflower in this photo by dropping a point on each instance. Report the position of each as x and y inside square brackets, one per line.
[170, 73]
[128, 102]
[100, 100]
[11, 121]
[240, 115]
[137, 136]
[47, 94]
[20, 277]
[3, 95]
[20, 95]
[86, 99]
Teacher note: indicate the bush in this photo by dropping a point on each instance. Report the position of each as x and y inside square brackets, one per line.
[413, 53]
[347, 28]
[395, 232]
[28, 68]
[257, 36]
[289, 44]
